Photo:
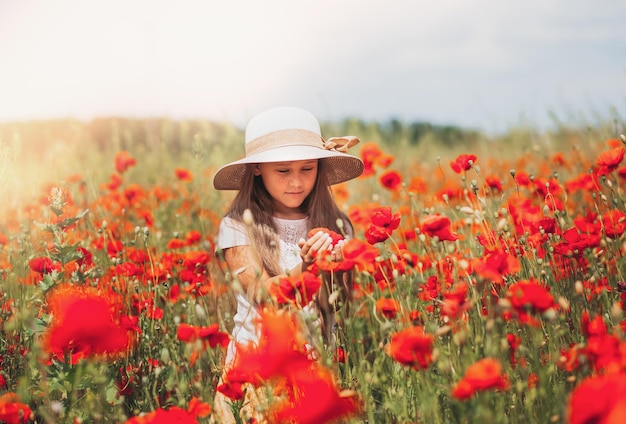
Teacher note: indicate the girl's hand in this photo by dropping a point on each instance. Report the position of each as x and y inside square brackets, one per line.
[319, 242]
[337, 252]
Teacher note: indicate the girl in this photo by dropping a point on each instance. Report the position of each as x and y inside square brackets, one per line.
[284, 191]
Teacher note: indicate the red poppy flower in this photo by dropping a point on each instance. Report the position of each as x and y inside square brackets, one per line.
[462, 163]
[85, 323]
[598, 399]
[123, 161]
[174, 414]
[193, 237]
[592, 327]
[523, 178]
[514, 342]
[485, 374]
[281, 345]
[183, 175]
[574, 243]
[417, 185]
[493, 181]
[370, 152]
[529, 297]
[297, 289]
[384, 217]
[455, 301]
[371, 156]
[210, 334]
[176, 243]
[334, 236]
[232, 389]
[437, 225]
[375, 234]
[391, 180]
[358, 254]
[383, 222]
[495, 266]
[614, 223]
[313, 397]
[609, 160]
[12, 411]
[387, 307]
[115, 181]
[86, 257]
[412, 347]
[196, 259]
[44, 265]
[583, 182]
[340, 355]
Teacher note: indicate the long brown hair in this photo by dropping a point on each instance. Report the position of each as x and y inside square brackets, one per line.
[319, 207]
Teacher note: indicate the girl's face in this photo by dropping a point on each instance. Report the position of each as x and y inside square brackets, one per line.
[289, 183]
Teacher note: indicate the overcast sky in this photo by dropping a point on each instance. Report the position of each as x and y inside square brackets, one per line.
[486, 64]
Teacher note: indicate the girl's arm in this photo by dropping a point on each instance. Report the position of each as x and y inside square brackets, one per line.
[243, 262]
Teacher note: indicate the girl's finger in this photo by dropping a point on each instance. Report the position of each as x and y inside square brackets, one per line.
[322, 243]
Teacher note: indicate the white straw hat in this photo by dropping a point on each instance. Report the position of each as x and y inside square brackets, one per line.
[285, 134]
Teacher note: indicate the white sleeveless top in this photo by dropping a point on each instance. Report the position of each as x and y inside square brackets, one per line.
[233, 233]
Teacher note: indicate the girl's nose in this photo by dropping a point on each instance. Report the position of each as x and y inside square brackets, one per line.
[295, 181]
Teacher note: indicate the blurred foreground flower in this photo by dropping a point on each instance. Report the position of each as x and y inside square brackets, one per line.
[86, 322]
[12, 411]
[297, 289]
[598, 399]
[174, 414]
[309, 393]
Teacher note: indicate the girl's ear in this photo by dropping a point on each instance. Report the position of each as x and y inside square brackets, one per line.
[256, 168]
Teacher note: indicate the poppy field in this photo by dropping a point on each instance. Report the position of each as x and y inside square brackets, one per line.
[488, 286]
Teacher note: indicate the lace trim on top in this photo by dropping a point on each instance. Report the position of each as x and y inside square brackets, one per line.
[290, 231]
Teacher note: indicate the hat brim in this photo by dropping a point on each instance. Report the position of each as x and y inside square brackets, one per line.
[339, 167]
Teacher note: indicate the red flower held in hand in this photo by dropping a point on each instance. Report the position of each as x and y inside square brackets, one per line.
[335, 237]
[412, 347]
[438, 226]
[462, 163]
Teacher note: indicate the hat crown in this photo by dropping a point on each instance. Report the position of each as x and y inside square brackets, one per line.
[281, 118]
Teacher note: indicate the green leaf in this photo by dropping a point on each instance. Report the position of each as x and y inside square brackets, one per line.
[49, 280]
